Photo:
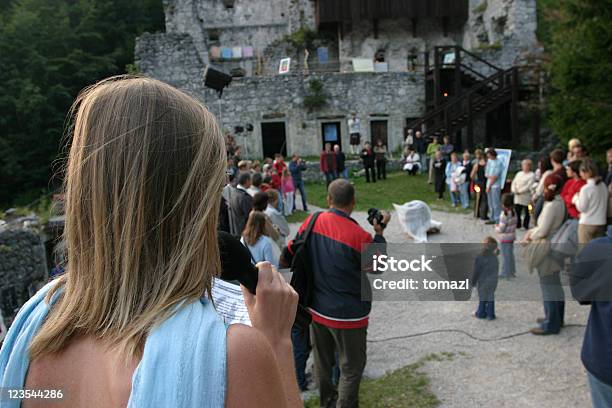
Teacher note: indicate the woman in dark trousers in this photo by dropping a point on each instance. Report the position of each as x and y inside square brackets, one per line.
[439, 170]
[480, 181]
[380, 153]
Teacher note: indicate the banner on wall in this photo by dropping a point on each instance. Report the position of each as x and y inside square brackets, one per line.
[284, 66]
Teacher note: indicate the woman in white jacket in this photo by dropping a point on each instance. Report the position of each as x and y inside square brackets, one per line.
[592, 203]
[521, 188]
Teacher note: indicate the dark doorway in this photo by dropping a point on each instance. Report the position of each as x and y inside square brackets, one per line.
[273, 138]
[378, 130]
[499, 129]
[331, 134]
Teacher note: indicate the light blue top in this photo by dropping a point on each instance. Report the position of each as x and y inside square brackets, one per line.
[183, 364]
[262, 250]
[450, 169]
[494, 168]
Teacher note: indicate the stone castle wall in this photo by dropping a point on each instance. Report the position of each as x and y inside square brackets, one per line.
[392, 97]
[22, 268]
[502, 31]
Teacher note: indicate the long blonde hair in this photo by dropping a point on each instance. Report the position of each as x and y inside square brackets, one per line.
[255, 227]
[143, 182]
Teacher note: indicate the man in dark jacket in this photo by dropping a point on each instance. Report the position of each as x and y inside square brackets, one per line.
[367, 156]
[591, 283]
[420, 146]
[239, 203]
[341, 162]
[339, 315]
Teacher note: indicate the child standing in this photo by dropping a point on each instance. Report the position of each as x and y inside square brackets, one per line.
[506, 233]
[484, 278]
[288, 191]
[439, 170]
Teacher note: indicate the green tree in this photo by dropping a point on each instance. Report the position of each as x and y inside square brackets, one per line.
[580, 44]
[49, 51]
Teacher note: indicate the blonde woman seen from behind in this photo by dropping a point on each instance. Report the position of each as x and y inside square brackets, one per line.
[127, 324]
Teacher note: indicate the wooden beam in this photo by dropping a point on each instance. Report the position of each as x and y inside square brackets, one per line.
[514, 109]
[457, 72]
[437, 84]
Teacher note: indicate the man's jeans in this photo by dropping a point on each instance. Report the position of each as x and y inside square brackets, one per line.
[508, 262]
[330, 176]
[301, 350]
[299, 186]
[351, 347]
[494, 201]
[424, 163]
[464, 195]
[601, 393]
[344, 174]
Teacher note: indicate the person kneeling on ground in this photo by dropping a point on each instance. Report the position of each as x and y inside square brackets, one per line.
[411, 161]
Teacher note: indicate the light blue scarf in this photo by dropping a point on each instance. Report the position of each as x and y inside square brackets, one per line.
[183, 364]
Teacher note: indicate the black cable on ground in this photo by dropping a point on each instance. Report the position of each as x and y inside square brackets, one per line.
[509, 336]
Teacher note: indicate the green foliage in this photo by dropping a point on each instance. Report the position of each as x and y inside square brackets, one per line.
[496, 46]
[481, 8]
[580, 44]
[405, 387]
[316, 97]
[49, 51]
[303, 38]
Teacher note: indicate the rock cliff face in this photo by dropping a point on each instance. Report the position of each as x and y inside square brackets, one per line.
[503, 30]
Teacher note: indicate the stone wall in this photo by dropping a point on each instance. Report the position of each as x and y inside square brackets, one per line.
[391, 96]
[396, 38]
[503, 30]
[22, 269]
[245, 23]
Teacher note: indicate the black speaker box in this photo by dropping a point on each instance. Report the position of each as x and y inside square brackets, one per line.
[216, 78]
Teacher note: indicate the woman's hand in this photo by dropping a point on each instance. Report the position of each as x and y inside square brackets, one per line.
[272, 310]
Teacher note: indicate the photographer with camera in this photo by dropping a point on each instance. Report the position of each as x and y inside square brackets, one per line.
[339, 316]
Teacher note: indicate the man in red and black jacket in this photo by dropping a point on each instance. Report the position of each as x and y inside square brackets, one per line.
[339, 315]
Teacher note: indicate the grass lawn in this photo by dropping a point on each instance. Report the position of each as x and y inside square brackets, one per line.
[399, 188]
[405, 387]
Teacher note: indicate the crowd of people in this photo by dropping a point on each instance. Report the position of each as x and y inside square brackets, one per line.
[257, 199]
[131, 321]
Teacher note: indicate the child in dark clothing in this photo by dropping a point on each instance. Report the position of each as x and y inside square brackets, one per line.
[485, 278]
[439, 170]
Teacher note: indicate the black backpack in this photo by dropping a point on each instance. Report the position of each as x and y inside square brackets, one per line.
[299, 262]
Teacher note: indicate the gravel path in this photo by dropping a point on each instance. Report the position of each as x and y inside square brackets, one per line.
[522, 371]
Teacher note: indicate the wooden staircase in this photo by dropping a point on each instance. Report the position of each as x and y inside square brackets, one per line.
[460, 86]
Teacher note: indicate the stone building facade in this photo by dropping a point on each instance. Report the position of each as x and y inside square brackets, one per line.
[248, 39]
